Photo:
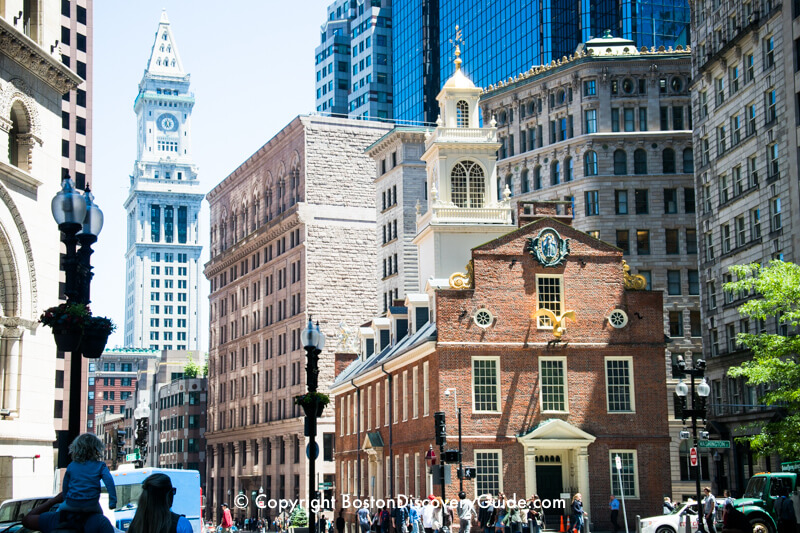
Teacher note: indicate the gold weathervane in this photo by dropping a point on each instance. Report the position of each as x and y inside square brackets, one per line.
[458, 41]
[459, 280]
[558, 322]
[636, 283]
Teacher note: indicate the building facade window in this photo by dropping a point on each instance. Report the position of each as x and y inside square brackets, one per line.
[619, 385]
[553, 384]
[628, 474]
[486, 384]
[489, 479]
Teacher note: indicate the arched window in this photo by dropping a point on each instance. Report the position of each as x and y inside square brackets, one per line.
[462, 114]
[555, 172]
[18, 148]
[620, 163]
[568, 174]
[537, 178]
[467, 184]
[688, 161]
[639, 161]
[590, 163]
[668, 159]
[524, 185]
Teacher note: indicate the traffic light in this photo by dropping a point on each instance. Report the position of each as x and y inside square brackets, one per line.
[450, 456]
[440, 428]
[469, 472]
[119, 444]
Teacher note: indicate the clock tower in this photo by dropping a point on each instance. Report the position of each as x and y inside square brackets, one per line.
[162, 261]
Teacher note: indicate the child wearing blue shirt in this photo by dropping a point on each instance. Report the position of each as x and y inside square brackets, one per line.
[81, 485]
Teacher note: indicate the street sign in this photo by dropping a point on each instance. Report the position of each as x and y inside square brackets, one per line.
[132, 456]
[316, 450]
[619, 462]
[714, 443]
[693, 456]
[325, 486]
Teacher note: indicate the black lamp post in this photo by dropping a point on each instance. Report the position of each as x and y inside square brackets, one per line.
[460, 451]
[79, 221]
[142, 416]
[313, 342]
[697, 412]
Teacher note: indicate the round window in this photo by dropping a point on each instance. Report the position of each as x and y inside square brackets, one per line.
[627, 86]
[561, 96]
[483, 318]
[676, 84]
[618, 318]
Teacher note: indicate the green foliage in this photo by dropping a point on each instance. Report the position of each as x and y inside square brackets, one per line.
[191, 369]
[65, 316]
[204, 369]
[299, 517]
[100, 324]
[312, 397]
[774, 364]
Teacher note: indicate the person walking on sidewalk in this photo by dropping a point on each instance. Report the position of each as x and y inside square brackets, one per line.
[613, 505]
[709, 510]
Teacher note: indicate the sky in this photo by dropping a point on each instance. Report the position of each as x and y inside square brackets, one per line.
[252, 71]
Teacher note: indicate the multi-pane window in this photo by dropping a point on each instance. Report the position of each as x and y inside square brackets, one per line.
[719, 85]
[721, 140]
[695, 324]
[628, 474]
[691, 241]
[775, 214]
[590, 163]
[676, 323]
[749, 65]
[733, 75]
[694, 282]
[642, 204]
[670, 201]
[643, 242]
[726, 238]
[736, 129]
[711, 289]
[623, 241]
[467, 184]
[672, 242]
[619, 384]
[592, 205]
[724, 192]
[674, 282]
[621, 202]
[755, 223]
[485, 384]
[553, 385]
[489, 475]
[770, 105]
[740, 231]
[591, 120]
[549, 296]
[769, 52]
[773, 167]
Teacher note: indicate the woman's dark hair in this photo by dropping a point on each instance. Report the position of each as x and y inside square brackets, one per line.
[153, 511]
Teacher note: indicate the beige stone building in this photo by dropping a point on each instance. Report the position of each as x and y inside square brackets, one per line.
[292, 238]
[609, 129]
[744, 97]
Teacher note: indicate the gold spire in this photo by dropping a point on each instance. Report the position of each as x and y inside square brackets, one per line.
[457, 42]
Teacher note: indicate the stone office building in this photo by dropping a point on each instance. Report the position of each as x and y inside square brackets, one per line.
[608, 129]
[292, 238]
[744, 98]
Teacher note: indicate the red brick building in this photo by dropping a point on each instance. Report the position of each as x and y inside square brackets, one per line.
[540, 413]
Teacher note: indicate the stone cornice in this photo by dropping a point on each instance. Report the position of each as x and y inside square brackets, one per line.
[252, 242]
[18, 177]
[32, 57]
[398, 134]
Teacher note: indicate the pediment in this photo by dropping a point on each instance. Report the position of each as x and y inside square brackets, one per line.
[556, 429]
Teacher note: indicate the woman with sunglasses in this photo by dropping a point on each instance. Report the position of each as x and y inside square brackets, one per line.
[153, 514]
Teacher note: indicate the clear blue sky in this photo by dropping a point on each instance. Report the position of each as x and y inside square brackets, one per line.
[252, 71]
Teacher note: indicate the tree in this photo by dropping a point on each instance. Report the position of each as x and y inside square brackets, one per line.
[191, 369]
[775, 356]
[299, 517]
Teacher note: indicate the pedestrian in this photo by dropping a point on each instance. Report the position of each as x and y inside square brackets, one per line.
[613, 506]
[535, 516]
[668, 506]
[413, 517]
[784, 510]
[81, 485]
[515, 519]
[364, 519]
[485, 514]
[41, 519]
[500, 514]
[466, 512]
[709, 510]
[153, 510]
[401, 519]
[227, 522]
[429, 515]
[578, 513]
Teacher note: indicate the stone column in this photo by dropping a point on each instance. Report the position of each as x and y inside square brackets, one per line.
[529, 458]
[583, 480]
[11, 338]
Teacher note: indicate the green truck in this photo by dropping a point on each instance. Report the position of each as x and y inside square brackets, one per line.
[758, 501]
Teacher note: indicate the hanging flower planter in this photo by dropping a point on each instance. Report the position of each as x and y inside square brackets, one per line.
[95, 336]
[67, 321]
[313, 403]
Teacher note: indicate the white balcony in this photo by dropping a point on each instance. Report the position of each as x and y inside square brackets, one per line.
[463, 135]
[449, 214]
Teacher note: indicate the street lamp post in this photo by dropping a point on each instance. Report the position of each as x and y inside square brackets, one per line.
[313, 342]
[697, 412]
[460, 452]
[142, 416]
[79, 221]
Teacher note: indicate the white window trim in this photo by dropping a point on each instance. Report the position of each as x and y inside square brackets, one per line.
[369, 408]
[378, 399]
[395, 405]
[415, 392]
[613, 470]
[426, 403]
[566, 385]
[500, 463]
[632, 385]
[496, 359]
[405, 395]
[560, 278]
[386, 411]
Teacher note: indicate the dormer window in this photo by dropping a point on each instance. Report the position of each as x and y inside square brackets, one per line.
[467, 185]
[462, 114]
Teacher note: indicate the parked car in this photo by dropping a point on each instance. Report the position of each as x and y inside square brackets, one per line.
[674, 522]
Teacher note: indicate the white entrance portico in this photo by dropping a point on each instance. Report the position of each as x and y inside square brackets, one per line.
[373, 447]
[556, 455]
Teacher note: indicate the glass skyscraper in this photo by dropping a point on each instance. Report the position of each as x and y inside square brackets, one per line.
[504, 38]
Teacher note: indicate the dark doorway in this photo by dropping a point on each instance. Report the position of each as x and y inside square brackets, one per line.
[549, 487]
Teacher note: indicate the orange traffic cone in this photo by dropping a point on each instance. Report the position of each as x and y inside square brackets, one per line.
[569, 528]
[561, 527]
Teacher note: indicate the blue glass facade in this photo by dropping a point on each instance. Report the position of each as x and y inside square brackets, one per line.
[504, 38]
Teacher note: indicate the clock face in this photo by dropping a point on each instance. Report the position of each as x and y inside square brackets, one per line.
[167, 122]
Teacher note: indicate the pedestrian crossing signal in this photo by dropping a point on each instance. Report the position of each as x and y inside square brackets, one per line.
[468, 472]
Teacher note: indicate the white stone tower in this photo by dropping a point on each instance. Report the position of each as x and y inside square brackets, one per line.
[162, 260]
[463, 208]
